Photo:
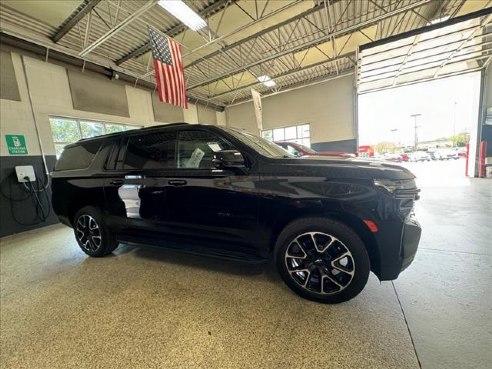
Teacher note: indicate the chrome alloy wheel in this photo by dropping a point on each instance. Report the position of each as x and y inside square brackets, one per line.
[320, 263]
[88, 233]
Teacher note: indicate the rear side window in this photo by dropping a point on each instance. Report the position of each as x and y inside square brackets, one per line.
[151, 151]
[78, 157]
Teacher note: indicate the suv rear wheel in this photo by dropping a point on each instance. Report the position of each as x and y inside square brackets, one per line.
[92, 234]
[322, 260]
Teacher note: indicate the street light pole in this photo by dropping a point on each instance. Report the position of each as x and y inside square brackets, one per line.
[454, 120]
[416, 138]
[395, 131]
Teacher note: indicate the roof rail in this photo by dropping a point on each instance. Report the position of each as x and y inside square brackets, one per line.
[116, 134]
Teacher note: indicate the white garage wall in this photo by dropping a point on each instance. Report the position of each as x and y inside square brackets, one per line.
[328, 107]
[488, 86]
[51, 95]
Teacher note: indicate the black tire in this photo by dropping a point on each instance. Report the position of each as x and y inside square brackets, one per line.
[92, 234]
[335, 239]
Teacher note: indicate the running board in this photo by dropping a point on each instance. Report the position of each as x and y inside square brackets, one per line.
[216, 253]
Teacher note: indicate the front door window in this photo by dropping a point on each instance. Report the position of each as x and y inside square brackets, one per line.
[196, 149]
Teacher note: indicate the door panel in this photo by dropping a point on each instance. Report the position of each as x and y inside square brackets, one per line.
[136, 188]
[214, 205]
[209, 203]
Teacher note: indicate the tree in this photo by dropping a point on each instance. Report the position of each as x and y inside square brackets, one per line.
[385, 147]
[461, 139]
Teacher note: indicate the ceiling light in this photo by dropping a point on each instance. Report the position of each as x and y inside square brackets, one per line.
[184, 13]
[267, 81]
[438, 20]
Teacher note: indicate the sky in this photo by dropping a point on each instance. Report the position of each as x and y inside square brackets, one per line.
[387, 110]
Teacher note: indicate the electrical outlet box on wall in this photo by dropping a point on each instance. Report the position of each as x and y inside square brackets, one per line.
[24, 171]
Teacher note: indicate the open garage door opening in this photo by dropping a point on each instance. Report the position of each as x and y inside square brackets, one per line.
[419, 96]
[427, 125]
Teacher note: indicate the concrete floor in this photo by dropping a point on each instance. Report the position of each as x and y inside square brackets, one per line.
[148, 308]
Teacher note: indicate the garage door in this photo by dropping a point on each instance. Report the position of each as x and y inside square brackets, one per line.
[444, 49]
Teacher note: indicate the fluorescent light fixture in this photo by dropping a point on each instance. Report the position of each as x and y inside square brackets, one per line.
[184, 13]
[438, 20]
[267, 81]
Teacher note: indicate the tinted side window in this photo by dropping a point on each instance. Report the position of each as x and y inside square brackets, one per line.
[196, 149]
[151, 151]
[78, 157]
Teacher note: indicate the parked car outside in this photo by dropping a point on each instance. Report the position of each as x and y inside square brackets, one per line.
[432, 154]
[301, 150]
[222, 192]
[396, 158]
[419, 156]
[451, 154]
[461, 152]
[405, 157]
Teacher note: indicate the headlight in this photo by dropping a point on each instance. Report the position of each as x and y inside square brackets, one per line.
[401, 188]
[391, 185]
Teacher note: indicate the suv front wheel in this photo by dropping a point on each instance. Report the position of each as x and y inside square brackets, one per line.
[92, 234]
[322, 260]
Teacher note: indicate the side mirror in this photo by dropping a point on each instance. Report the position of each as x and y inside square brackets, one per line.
[228, 159]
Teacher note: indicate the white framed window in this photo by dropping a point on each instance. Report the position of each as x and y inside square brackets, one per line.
[69, 130]
[300, 134]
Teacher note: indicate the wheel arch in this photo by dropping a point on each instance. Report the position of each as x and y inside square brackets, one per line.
[354, 223]
[76, 206]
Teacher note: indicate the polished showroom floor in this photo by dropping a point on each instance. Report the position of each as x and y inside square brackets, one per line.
[148, 308]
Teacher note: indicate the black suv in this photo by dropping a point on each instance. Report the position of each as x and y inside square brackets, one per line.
[223, 192]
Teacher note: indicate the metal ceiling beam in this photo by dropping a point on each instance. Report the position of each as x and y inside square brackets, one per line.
[113, 31]
[295, 86]
[209, 10]
[288, 73]
[316, 42]
[247, 25]
[74, 18]
[258, 34]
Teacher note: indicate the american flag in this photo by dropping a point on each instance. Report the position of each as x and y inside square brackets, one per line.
[169, 71]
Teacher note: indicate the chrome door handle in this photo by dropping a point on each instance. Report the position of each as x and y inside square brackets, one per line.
[177, 182]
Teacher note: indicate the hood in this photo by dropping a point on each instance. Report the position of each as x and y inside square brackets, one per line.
[332, 167]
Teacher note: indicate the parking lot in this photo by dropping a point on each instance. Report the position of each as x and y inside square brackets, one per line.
[439, 173]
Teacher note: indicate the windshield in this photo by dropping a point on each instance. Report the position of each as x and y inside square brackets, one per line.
[261, 145]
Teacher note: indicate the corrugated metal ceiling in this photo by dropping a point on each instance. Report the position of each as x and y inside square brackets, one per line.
[294, 42]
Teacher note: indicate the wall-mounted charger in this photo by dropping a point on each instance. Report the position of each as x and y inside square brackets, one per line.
[24, 171]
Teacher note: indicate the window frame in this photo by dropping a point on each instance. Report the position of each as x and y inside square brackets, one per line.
[263, 134]
[78, 122]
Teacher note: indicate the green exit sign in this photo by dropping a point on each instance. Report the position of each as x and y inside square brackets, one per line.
[16, 144]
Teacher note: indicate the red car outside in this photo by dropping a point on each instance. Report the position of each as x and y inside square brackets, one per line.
[301, 150]
[405, 157]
